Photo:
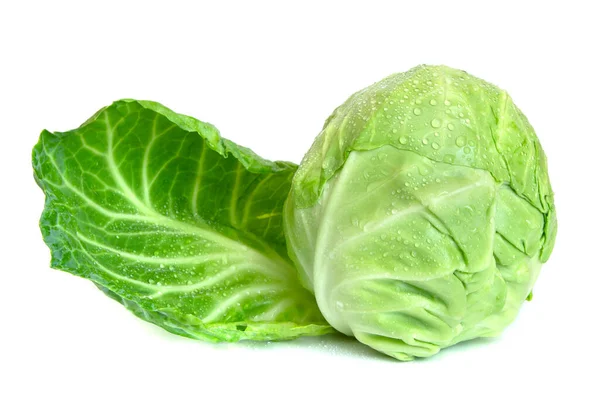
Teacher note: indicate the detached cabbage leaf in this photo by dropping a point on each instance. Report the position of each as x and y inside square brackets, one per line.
[180, 226]
[422, 213]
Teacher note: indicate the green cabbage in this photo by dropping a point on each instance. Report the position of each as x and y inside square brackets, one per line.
[419, 218]
[422, 213]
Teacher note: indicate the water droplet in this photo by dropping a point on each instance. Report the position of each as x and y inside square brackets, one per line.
[394, 130]
[432, 102]
[417, 111]
[436, 123]
[413, 253]
[461, 141]
[435, 145]
[450, 126]
[467, 150]
[448, 158]
[424, 171]
[403, 140]
[447, 102]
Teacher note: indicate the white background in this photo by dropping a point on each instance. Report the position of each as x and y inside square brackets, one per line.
[267, 75]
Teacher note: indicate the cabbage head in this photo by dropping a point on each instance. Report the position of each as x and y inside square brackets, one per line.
[422, 213]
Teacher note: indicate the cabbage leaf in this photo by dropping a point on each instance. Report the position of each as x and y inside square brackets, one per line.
[182, 227]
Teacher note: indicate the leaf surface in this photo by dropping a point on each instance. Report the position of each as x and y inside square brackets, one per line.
[182, 227]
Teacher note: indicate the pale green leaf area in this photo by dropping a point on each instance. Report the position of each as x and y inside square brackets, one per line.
[180, 226]
[422, 213]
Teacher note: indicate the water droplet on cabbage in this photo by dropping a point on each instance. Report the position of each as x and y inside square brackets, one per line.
[448, 158]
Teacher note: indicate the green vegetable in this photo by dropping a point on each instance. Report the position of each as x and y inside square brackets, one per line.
[422, 214]
[180, 226]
